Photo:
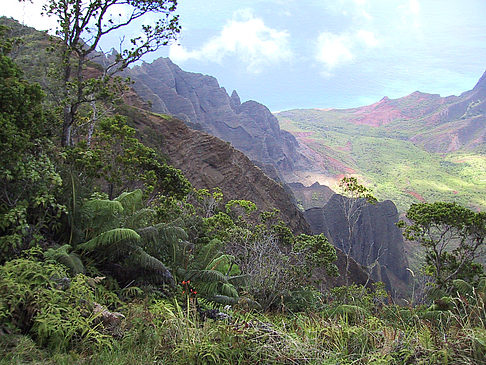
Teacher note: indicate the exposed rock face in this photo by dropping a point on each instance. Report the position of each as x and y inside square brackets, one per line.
[199, 101]
[314, 196]
[209, 162]
[375, 238]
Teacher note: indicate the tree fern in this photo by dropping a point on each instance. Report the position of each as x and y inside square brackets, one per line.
[99, 215]
[149, 262]
[102, 206]
[113, 236]
[121, 236]
[217, 262]
[463, 288]
[223, 299]
[70, 260]
[131, 201]
[207, 253]
[139, 218]
[228, 290]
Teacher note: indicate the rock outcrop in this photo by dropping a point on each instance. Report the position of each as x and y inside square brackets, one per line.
[313, 196]
[376, 242]
[201, 103]
[209, 162]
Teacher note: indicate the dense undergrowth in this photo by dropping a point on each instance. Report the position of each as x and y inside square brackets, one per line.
[365, 331]
[109, 255]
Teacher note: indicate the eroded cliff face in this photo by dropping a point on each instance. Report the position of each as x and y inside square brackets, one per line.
[201, 103]
[313, 196]
[209, 162]
[375, 242]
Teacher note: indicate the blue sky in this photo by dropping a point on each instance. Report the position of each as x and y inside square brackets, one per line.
[329, 53]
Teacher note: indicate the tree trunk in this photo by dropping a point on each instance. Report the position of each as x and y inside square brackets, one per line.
[67, 124]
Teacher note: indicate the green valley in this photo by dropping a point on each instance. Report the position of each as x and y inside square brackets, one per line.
[387, 159]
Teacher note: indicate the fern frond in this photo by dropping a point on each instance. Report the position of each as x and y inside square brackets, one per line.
[162, 232]
[229, 290]
[208, 252]
[238, 280]
[109, 238]
[170, 233]
[223, 299]
[62, 255]
[220, 260]
[130, 201]
[463, 287]
[482, 285]
[149, 262]
[140, 218]
[95, 207]
[207, 276]
[100, 215]
[436, 293]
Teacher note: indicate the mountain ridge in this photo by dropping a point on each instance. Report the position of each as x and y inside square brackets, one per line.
[421, 147]
[199, 101]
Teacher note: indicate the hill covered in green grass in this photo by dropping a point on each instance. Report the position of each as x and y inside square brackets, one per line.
[421, 147]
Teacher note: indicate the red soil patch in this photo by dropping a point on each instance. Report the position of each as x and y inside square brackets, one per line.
[347, 148]
[416, 196]
[377, 114]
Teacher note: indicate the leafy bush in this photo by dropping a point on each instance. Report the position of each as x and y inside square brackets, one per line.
[39, 298]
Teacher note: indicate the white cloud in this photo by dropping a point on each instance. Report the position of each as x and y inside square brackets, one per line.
[414, 6]
[245, 37]
[368, 38]
[410, 14]
[28, 13]
[334, 50]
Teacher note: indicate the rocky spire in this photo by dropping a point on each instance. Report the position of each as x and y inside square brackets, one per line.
[235, 101]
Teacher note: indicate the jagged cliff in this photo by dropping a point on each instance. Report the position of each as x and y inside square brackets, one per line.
[313, 196]
[199, 101]
[209, 162]
[376, 241]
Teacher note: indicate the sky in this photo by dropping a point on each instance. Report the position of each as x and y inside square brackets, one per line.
[290, 54]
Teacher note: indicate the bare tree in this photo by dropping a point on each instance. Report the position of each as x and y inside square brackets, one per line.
[352, 202]
[82, 24]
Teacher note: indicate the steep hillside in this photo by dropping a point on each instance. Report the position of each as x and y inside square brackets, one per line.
[199, 101]
[421, 147]
[314, 196]
[376, 241]
[209, 162]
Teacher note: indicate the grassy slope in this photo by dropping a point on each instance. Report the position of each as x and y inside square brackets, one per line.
[394, 167]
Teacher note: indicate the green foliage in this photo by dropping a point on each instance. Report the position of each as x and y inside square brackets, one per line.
[121, 162]
[368, 298]
[68, 259]
[352, 189]
[318, 253]
[392, 164]
[81, 27]
[39, 298]
[453, 237]
[122, 233]
[29, 182]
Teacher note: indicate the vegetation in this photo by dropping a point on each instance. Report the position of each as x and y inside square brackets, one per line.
[81, 27]
[109, 255]
[352, 202]
[453, 238]
[388, 162]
